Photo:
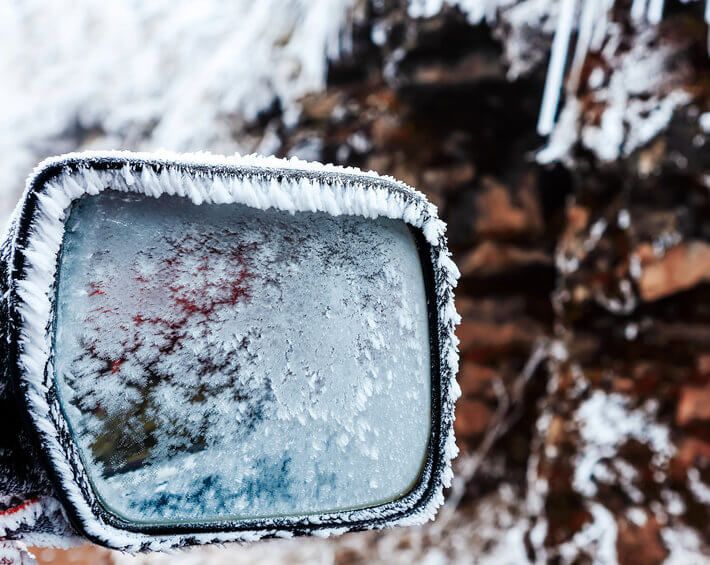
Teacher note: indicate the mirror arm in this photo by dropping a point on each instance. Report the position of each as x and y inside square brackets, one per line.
[29, 511]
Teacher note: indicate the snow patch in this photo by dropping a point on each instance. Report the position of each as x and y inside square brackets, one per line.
[165, 74]
[639, 101]
[685, 546]
[476, 11]
[15, 553]
[597, 538]
[606, 422]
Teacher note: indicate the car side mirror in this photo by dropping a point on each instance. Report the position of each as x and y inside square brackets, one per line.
[213, 349]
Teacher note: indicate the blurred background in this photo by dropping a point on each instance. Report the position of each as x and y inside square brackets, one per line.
[565, 143]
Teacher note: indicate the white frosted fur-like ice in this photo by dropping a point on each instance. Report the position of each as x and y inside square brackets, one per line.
[284, 360]
[27, 515]
[248, 180]
[606, 421]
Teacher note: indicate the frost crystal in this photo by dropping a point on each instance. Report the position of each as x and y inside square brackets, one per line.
[219, 360]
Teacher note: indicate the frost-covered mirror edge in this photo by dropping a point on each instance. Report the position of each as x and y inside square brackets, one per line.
[293, 185]
[367, 453]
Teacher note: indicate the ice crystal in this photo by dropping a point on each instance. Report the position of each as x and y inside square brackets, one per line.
[218, 360]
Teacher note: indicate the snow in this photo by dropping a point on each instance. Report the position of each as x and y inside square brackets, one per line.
[476, 11]
[556, 70]
[28, 514]
[655, 11]
[561, 18]
[302, 187]
[15, 553]
[587, 24]
[17, 515]
[704, 120]
[685, 546]
[523, 21]
[638, 10]
[305, 336]
[197, 73]
[637, 516]
[606, 422]
[634, 111]
[631, 118]
[597, 539]
[623, 219]
[700, 490]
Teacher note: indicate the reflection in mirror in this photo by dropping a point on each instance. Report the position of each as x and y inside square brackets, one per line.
[221, 362]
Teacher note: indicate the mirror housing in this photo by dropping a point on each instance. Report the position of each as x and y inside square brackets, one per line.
[35, 241]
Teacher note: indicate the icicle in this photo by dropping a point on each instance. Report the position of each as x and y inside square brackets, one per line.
[556, 68]
[600, 26]
[584, 38]
[638, 10]
[655, 11]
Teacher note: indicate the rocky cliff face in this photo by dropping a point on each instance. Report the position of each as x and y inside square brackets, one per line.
[585, 259]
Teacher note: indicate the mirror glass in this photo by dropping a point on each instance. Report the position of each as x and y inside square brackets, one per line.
[218, 362]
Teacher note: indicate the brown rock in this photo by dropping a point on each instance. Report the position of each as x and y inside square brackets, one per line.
[443, 179]
[577, 218]
[681, 268]
[465, 305]
[623, 385]
[651, 157]
[472, 418]
[405, 173]
[692, 452]
[320, 106]
[379, 162]
[693, 335]
[652, 224]
[500, 215]
[476, 66]
[86, 554]
[640, 543]
[556, 432]
[704, 365]
[491, 258]
[387, 130]
[645, 253]
[483, 338]
[382, 100]
[475, 379]
[693, 405]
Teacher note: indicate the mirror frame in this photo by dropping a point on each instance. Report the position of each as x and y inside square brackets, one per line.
[37, 234]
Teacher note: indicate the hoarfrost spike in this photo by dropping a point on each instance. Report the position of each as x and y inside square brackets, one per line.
[600, 26]
[584, 38]
[556, 69]
[655, 11]
[638, 10]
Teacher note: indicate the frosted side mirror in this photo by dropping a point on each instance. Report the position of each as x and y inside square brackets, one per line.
[225, 350]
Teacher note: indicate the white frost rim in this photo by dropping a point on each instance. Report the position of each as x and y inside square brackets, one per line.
[312, 187]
